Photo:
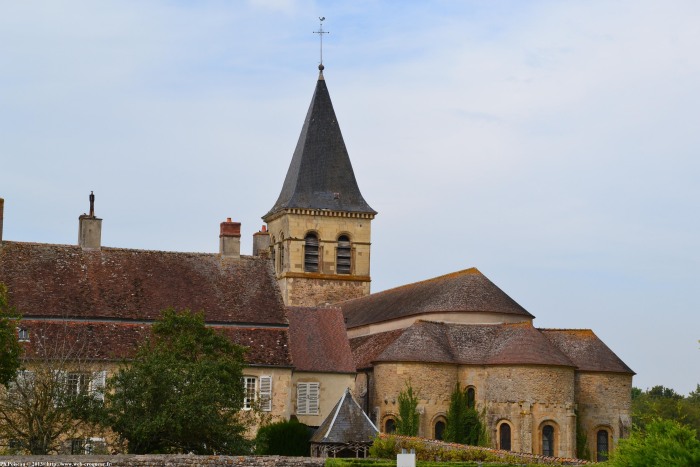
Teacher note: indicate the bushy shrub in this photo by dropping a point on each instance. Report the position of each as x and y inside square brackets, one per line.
[286, 438]
[664, 442]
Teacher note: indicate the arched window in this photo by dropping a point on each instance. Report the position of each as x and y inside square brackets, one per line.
[343, 260]
[504, 437]
[390, 426]
[471, 398]
[439, 430]
[311, 253]
[548, 440]
[602, 445]
[280, 250]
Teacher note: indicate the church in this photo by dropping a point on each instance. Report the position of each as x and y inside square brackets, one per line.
[301, 304]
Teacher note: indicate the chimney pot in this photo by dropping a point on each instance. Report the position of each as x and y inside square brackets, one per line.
[230, 239]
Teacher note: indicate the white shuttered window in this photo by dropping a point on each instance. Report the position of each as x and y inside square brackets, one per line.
[266, 393]
[307, 398]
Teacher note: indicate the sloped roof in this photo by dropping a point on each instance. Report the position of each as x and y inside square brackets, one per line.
[116, 341]
[320, 175]
[66, 281]
[318, 340]
[586, 350]
[366, 349]
[463, 291]
[466, 344]
[347, 423]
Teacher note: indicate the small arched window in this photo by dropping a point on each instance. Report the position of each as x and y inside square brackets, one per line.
[311, 253]
[390, 426]
[343, 260]
[439, 430]
[471, 398]
[504, 437]
[602, 445]
[548, 440]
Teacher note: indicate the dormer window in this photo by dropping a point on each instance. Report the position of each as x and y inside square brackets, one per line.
[311, 253]
[23, 334]
[343, 260]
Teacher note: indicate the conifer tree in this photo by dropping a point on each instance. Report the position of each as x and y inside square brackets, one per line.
[463, 422]
[408, 420]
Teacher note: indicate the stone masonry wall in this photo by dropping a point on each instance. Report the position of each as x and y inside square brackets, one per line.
[159, 461]
[311, 292]
[525, 397]
[604, 402]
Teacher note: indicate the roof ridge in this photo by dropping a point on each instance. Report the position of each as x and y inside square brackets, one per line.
[463, 272]
[116, 248]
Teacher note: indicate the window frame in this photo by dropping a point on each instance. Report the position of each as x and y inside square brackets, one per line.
[249, 395]
[608, 441]
[312, 252]
[343, 254]
[22, 334]
[500, 435]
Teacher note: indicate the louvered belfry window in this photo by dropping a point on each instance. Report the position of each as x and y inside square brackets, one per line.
[343, 255]
[311, 253]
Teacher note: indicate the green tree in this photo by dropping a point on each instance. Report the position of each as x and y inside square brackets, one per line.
[665, 403]
[464, 424]
[285, 438]
[182, 392]
[408, 421]
[664, 442]
[10, 348]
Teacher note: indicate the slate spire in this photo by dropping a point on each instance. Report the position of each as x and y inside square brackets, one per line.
[320, 175]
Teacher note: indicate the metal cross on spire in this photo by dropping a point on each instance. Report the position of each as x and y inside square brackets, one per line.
[320, 33]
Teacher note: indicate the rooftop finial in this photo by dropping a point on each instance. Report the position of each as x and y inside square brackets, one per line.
[320, 33]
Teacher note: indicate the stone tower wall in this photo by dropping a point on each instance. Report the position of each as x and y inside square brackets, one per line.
[302, 288]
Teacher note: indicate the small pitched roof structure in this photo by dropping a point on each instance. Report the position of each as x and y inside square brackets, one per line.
[320, 175]
[463, 291]
[463, 344]
[586, 350]
[318, 341]
[346, 427]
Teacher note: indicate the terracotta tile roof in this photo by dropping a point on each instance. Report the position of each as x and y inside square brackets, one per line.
[67, 281]
[586, 350]
[466, 344]
[462, 291]
[116, 341]
[366, 349]
[318, 340]
[347, 423]
[320, 175]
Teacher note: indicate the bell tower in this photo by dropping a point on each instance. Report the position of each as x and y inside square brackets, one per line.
[320, 225]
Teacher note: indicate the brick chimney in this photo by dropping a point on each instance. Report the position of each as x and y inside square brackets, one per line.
[2, 214]
[230, 239]
[261, 242]
[90, 228]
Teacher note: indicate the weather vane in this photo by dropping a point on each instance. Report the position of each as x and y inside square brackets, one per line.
[320, 33]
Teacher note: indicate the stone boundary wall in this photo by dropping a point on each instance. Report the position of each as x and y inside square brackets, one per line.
[158, 461]
[408, 442]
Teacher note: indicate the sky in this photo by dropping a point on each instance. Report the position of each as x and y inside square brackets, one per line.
[551, 144]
